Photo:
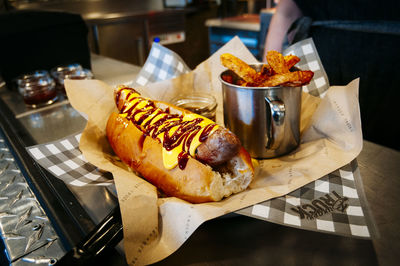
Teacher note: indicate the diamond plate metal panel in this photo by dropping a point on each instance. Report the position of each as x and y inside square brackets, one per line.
[25, 229]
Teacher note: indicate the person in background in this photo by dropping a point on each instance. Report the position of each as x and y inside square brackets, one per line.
[290, 11]
[285, 15]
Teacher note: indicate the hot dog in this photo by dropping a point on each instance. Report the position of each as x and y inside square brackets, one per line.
[183, 154]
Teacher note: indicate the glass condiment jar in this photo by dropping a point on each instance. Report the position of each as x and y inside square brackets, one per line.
[60, 72]
[80, 74]
[37, 88]
[200, 103]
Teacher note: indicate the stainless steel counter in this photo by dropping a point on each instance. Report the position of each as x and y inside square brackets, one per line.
[60, 119]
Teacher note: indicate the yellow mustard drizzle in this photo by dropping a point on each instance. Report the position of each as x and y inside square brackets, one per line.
[179, 135]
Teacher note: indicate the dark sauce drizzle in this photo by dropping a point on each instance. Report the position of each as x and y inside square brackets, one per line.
[183, 158]
[185, 132]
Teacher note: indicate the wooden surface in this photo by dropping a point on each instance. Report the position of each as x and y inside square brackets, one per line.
[380, 172]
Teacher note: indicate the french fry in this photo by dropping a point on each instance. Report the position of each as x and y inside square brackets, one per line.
[266, 70]
[291, 60]
[277, 62]
[227, 78]
[275, 73]
[295, 78]
[281, 64]
[261, 76]
[238, 66]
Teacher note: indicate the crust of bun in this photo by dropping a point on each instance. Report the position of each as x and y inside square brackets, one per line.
[196, 183]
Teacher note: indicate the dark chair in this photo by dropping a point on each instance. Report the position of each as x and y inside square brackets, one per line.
[33, 40]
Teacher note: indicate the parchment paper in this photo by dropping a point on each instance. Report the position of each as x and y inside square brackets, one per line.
[156, 227]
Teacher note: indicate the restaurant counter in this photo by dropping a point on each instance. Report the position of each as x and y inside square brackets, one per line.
[230, 240]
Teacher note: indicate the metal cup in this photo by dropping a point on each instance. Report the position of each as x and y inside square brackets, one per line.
[266, 119]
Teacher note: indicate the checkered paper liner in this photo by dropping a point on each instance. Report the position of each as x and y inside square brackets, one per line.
[161, 64]
[334, 204]
[329, 204]
[309, 60]
[64, 160]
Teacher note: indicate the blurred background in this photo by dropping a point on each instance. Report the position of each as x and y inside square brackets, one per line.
[125, 29]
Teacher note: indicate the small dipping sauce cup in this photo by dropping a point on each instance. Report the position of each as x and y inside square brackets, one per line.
[37, 88]
[199, 103]
[80, 74]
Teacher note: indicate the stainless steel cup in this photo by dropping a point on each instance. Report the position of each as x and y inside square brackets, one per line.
[266, 119]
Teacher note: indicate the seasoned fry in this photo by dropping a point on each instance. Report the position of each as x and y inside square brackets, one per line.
[277, 62]
[295, 78]
[291, 60]
[261, 76]
[266, 70]
[227, 78]
[242, 69]
[275, 73]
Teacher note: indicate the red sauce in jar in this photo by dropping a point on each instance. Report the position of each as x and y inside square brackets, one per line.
[40, 95]
[37, 89]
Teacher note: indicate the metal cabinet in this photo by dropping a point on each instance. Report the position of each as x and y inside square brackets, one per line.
[246, 27]
[129, 38]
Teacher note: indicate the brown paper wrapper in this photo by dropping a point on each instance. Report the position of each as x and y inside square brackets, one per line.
[156, 227]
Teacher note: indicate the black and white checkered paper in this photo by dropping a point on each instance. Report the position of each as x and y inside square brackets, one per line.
[64, 160]
[309, 60]
[161, 64]
[331, 204]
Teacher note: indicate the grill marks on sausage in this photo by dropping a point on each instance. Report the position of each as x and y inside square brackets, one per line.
[219, 147]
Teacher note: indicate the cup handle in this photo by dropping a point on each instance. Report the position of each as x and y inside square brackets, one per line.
[276, 127]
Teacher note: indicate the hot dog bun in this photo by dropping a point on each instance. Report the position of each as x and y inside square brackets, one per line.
[196, 183]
